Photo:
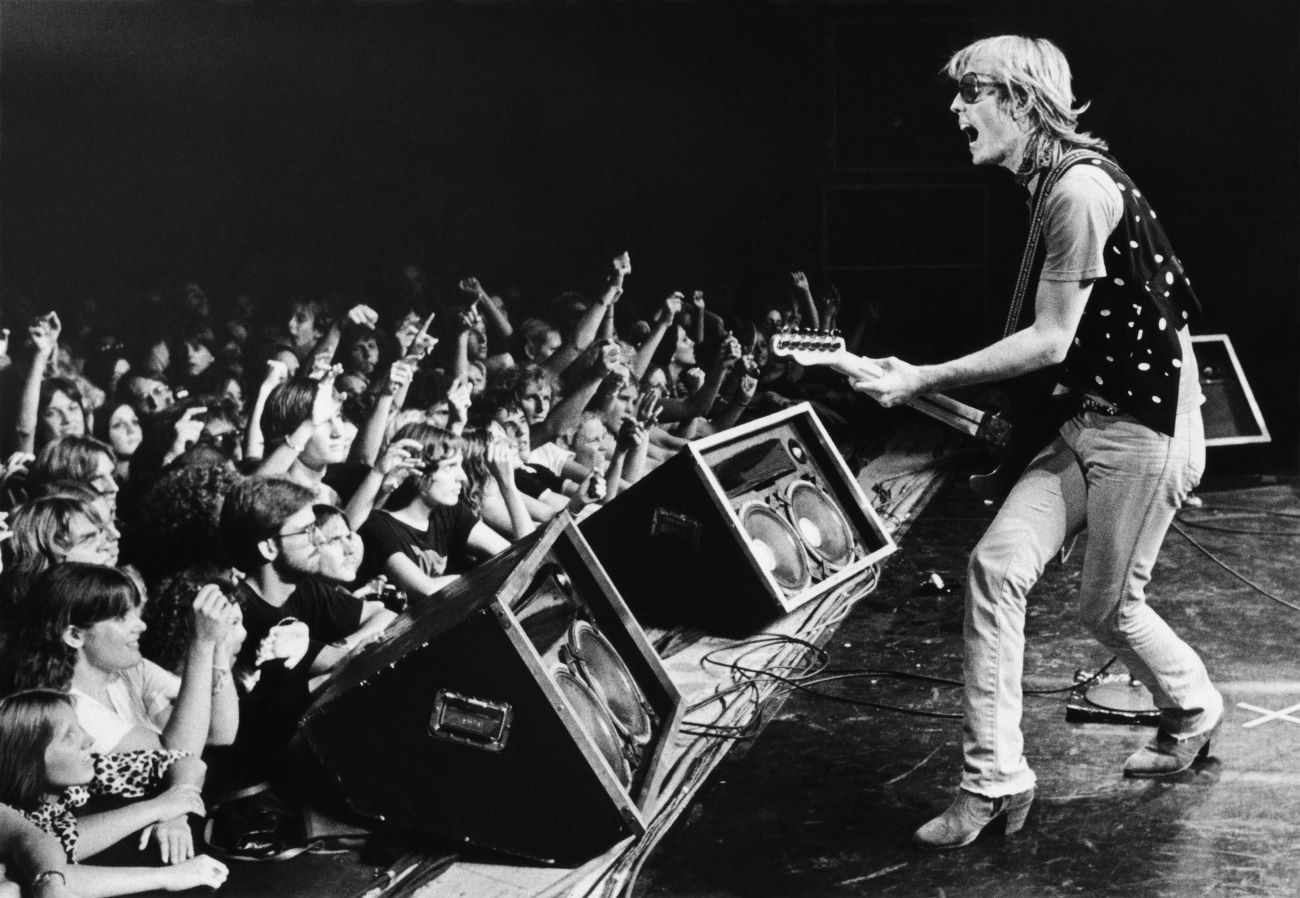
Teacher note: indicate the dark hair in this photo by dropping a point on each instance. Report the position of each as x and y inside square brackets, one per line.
[200, 334]
[26, 731]
[436, 445]
[667, 347]
[68, 387]
[104, 417]
[287, 407]
[68, 595]
[178, 519]
[255, 509]
[169, 618]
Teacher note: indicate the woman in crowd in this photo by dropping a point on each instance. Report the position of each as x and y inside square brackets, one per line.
[47, 769]
[79, 631]
[51, 530]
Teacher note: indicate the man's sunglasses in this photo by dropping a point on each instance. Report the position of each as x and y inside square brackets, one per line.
[971, 85]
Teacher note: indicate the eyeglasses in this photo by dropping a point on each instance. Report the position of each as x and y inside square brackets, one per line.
[312, 532]
[971, 84]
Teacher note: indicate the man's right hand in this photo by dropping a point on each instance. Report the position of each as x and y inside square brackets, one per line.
[896, 382]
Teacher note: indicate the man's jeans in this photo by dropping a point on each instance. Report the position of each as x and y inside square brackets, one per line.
[1123, 482]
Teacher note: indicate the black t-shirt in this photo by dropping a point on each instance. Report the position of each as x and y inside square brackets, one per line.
[344, 478]
[435, 551]
[533, 480]
[330, 613]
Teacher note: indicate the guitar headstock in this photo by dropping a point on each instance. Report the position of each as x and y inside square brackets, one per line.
[808, 347]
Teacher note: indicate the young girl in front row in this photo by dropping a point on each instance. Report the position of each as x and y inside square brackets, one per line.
[47, 769]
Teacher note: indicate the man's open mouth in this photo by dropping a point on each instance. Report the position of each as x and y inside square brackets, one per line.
[970, 132]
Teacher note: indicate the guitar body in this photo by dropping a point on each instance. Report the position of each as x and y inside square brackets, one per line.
[1038, 416]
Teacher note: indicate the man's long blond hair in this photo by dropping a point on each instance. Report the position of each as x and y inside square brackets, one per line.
[1034, 76]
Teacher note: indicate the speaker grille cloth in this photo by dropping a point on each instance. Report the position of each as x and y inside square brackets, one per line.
[596, 721]
[612, 681]
[776, 546]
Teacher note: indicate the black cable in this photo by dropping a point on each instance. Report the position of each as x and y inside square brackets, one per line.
[1231, 570]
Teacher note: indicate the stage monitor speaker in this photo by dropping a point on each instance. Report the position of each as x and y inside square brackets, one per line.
[521, 709]
[1232, 417]
[739, 528]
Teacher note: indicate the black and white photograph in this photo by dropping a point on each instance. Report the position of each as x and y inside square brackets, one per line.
[649, 448]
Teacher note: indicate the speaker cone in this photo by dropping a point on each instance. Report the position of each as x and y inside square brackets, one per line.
[596, 720]
[820, 523]
[776, 546]
[592, 657]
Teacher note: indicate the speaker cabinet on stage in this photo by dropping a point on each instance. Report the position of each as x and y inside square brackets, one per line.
[739, 528]
[521, 709]
[1232, 417]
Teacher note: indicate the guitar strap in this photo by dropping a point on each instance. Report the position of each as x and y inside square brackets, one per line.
[1045, 186]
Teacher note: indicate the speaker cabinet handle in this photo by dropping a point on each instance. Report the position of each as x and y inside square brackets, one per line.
[675, 527]
[470, 721]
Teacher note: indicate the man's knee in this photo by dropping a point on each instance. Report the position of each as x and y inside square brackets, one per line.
[1002, 561]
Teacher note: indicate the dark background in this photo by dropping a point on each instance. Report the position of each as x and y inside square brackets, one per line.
[278, 148]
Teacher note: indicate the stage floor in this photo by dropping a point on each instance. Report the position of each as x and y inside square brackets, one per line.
[823, 803]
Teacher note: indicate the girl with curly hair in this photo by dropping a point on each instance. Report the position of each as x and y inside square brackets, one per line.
[46, 769]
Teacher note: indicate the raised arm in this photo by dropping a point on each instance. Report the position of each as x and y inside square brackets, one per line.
[492, 309]
[395, 385]
[202, 691]
[588, 325]
[502, 464]
[276, 374]
[393, 467]
[325, 406]
[664, 316]
[45, 337]
[807, 306]
[565, 414]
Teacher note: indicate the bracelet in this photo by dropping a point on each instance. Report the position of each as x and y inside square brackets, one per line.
[46, 875]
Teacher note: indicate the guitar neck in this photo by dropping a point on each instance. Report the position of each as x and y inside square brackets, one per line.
[949, 411]
[815, 350]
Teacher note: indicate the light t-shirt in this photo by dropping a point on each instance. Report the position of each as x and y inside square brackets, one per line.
[551, 456]
[1078, 218]
[141, 696]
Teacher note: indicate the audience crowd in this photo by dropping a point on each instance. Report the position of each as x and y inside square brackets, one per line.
[209, 507]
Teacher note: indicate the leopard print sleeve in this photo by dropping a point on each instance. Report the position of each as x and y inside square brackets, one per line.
[132, 774]
[56, 818]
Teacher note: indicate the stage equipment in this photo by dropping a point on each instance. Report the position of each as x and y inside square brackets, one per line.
[740, 527]
[1231, 415]
[521, 709]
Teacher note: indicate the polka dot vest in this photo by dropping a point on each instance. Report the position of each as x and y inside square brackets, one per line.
[1126, 348]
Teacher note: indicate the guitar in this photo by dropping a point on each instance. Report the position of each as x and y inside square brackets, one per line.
[821, 348]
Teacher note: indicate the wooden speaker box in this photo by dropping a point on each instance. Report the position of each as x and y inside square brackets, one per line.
[521, 709]
[739, 528]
